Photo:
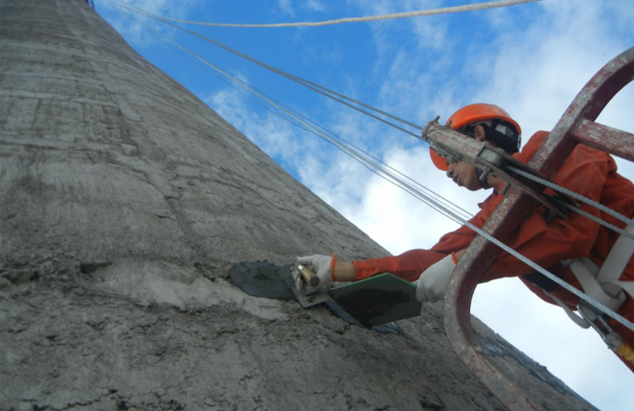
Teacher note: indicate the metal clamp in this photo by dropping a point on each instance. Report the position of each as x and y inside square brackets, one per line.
[598, 322]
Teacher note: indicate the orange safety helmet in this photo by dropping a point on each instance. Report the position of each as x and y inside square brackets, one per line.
[473, 114]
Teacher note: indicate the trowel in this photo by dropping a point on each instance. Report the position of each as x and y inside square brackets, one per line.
[371, 302]
[264, 279]
[311, 294]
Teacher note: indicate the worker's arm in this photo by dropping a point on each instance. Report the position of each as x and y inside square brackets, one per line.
[408, 266]
[344, 271]
[412, 263]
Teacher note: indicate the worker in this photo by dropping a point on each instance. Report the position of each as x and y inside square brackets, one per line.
[557, 244]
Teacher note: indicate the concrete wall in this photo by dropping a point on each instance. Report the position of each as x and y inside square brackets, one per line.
[124, 201]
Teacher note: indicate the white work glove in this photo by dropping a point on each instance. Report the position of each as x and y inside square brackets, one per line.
[321, 265]
[432, 283]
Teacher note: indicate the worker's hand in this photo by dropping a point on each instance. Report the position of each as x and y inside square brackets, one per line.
[432, 284]
[321, 265]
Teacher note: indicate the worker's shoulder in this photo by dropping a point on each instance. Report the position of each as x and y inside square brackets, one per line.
[537, 139]
[531, 146]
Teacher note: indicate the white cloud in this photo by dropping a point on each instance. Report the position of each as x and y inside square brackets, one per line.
[315, 5]
[272, 133]
[392, 215]
[538, 72]
[286, 7]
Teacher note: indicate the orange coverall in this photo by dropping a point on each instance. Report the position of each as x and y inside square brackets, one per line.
[589, 172]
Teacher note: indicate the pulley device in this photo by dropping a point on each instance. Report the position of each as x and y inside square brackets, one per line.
[455, 147]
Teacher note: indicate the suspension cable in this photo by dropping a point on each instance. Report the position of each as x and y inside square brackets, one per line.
[383, 170]
[418, 13]
[324, 90]
[340, 98]
[583, 296]
[590, 202]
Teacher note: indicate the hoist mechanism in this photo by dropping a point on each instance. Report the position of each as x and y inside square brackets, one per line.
[576, 126]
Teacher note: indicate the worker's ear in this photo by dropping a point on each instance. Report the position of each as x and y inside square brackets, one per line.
[479, 132]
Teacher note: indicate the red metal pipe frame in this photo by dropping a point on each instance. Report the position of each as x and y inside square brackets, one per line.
[576, 126]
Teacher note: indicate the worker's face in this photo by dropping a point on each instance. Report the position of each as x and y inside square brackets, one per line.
[464, 174]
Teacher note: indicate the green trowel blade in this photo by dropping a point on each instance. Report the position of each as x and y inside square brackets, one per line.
[378, 300]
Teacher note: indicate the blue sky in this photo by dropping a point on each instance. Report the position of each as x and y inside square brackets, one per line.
[530, 59]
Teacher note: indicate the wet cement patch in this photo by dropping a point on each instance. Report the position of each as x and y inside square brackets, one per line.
[262, 279]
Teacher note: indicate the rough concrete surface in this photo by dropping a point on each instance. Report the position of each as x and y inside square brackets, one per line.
[124, 202]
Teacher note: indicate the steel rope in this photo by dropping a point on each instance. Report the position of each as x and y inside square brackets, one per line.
[583, 296]
[590, 202]
[367, 160]
[306, 83]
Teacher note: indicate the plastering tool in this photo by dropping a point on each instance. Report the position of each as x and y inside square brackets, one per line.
[264, 279]
[374, 301]
[311, 296]
[308, 275]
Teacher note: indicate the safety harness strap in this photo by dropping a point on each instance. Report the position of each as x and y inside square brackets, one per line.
[603, 283]
[604, 286]
[616, 262]
[626, 286]
[587, 274]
